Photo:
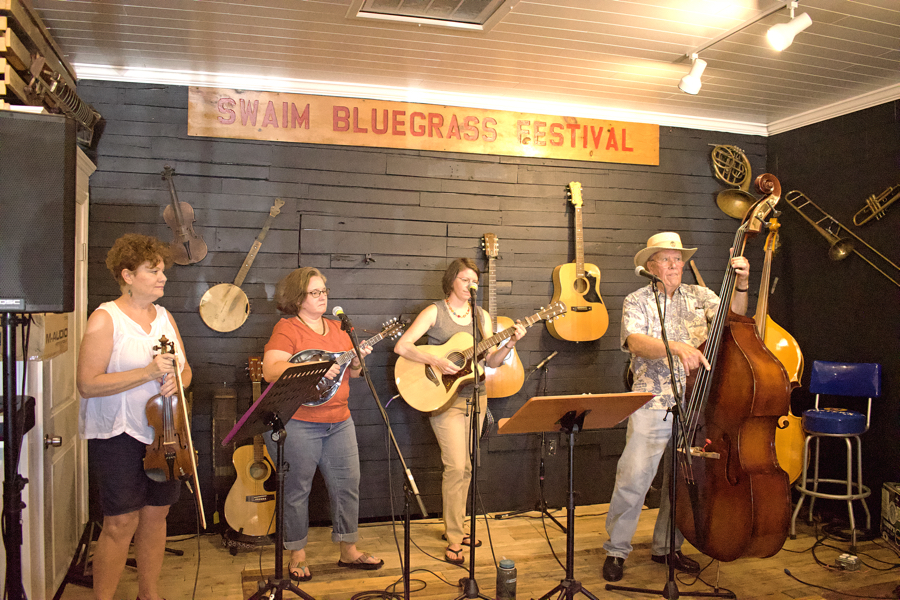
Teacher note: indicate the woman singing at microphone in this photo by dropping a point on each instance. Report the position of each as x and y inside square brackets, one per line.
[439, 321]
[323, 436]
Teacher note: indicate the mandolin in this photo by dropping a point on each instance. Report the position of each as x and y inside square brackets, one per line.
[328, 387]
[426, 389]
[250, 504]
[224, 307]
[188, 247]
[576, 285]
[507, 379]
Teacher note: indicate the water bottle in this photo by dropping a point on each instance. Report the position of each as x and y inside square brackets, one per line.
[506, 580]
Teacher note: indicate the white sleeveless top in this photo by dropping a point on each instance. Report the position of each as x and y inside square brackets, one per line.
[108, 416]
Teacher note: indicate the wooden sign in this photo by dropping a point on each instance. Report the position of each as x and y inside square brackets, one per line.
[285, 117]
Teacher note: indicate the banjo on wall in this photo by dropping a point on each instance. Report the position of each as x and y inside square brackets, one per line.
[224, 307]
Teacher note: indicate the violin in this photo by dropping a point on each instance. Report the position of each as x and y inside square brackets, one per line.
[188, 247]
[171, 455]
[732, 497]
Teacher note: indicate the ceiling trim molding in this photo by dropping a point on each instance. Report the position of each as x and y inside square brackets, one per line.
[398, 94]
[837, 109]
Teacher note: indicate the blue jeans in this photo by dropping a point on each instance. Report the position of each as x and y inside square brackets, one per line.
[330, 447]
[645, 441]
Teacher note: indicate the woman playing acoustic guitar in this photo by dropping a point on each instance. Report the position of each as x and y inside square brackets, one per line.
[439, 321]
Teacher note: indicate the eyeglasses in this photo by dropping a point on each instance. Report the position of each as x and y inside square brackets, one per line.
[668, 260]
[317, 293]
[467, 281]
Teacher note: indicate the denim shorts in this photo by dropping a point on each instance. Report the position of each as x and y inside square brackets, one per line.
[117, 464]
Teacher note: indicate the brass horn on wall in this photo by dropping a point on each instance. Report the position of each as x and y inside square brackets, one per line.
[876, 205]
[731, 167]
[840, 246]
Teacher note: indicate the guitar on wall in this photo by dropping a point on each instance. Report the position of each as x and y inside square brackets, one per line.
[426, 389]
[250, 505]
[328, 387]
[507, 379]
[575, 284]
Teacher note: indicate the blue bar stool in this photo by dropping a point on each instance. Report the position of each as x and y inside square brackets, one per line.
[838, 379]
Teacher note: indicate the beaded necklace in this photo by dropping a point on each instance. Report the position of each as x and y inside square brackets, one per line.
[453, 312]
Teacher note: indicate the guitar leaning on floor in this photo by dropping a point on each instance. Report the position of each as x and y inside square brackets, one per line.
[507, 379]
[575, 284]
[250, 505]
[426, 389]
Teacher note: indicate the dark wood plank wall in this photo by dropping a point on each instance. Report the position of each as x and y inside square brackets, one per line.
[412, 212]
[844, 311]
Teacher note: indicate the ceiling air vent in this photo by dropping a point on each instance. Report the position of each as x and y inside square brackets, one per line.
[477, 15]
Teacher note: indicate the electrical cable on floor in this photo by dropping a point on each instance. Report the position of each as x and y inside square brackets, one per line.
[828, 589]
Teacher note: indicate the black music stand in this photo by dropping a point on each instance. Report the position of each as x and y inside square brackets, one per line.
[571, 414]
[273, 407]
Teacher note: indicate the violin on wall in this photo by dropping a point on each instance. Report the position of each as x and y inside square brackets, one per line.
[187, 247]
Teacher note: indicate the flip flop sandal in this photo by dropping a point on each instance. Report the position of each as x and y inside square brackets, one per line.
[458, 559]
[361, 562]
[302, 567]
[465, 541]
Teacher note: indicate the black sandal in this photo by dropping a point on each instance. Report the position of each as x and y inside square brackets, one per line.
[458, 559]
[303, 566]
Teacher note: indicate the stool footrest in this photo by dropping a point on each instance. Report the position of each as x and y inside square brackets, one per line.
[864, 491]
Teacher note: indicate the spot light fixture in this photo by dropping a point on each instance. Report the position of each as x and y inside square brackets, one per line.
[690, 83]
[779, 36]
[782, 35]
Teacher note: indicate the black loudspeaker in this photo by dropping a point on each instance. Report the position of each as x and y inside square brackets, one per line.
[37, 213]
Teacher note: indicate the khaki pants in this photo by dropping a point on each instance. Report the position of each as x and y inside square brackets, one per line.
[451, 427]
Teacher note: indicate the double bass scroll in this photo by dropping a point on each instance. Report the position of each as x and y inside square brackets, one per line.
[171, 455]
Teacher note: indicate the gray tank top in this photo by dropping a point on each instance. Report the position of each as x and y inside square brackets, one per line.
[443, 329]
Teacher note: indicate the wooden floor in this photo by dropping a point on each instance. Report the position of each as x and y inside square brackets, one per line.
[523, 539]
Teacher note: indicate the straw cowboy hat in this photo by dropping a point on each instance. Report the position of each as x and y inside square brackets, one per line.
[662, 241]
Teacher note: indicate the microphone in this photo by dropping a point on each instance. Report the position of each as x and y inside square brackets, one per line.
[339, 312]
[642, 272]
[541, 364]
[473, 289]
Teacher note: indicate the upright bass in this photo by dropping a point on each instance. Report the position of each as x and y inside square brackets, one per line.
[171, 455]
[732, 497]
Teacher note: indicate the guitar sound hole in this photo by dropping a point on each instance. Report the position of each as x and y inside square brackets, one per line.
[581, 285]
[457, 359]
[259, 471]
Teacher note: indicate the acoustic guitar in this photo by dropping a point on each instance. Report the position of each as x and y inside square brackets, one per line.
[576, 285]
[426, 389]
[328, 387]
[507, 379]
[250, 504]
[225, 307]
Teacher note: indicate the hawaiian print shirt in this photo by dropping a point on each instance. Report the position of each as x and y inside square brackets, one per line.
[687, 317]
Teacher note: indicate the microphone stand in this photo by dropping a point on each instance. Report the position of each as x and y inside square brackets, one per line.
[469, 585]
[670, 591]
[409, 485]
[542, 506]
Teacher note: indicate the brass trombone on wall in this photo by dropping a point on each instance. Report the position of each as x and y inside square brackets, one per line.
[833, 232]
[731, 167]
[876, 205]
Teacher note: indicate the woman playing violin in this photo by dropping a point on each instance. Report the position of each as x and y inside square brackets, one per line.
[323, 436]
[118, 372]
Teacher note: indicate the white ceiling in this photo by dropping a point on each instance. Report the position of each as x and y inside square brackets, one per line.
[613, 59]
